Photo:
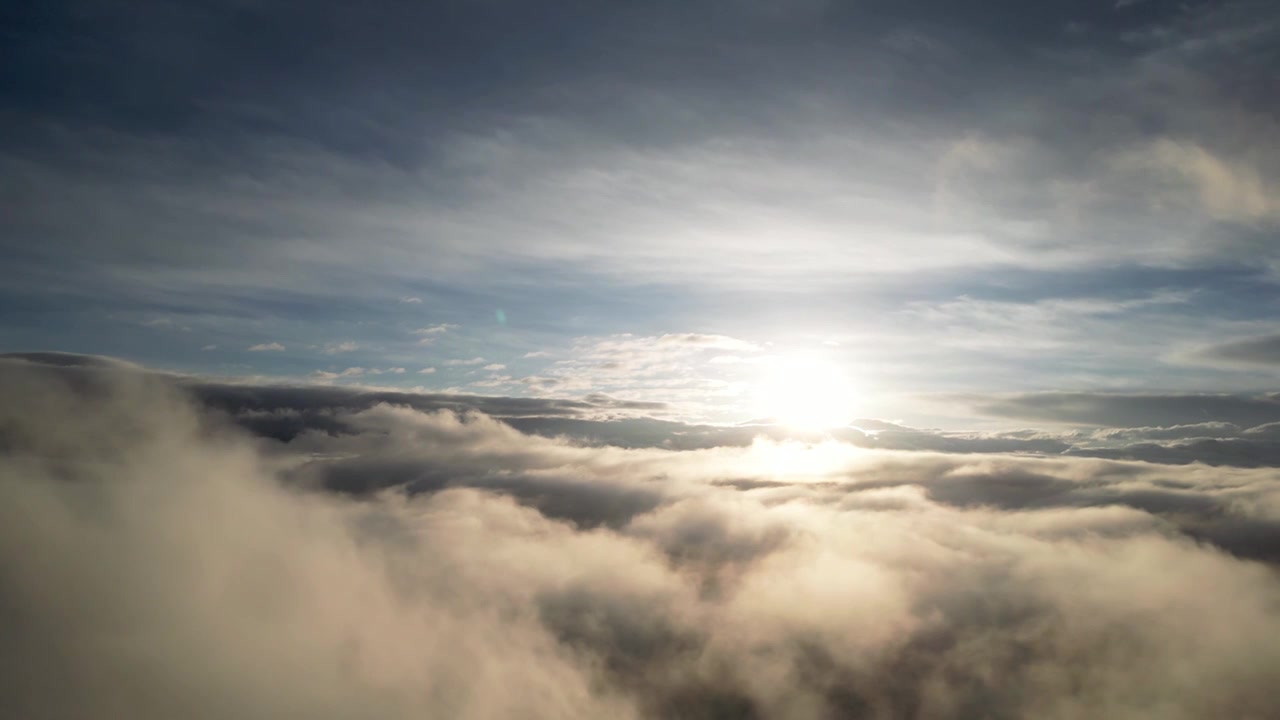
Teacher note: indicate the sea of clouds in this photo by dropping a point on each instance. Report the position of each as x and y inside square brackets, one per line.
[168, 550]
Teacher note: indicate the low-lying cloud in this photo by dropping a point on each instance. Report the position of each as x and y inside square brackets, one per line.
[159, 559]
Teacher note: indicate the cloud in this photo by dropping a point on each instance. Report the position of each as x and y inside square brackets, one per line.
[1228, 189]
[1127, 410]
[435, 329]
[468, 361]
[427, 371]
[71, 360]
[158, 562]
[494, 367]
[1133, 146]
[356, 372]
[1061, 325]
[166, 322]
[341, 347]
[777, 199]
[721, 342]
[1213, 429]
[537, 354]
[209, 347]
[349, 372]
[599, 419]
[673, 367]
[429, 334]
[1264, 350]
[267, 347]
[1238, 452]
[411, 300]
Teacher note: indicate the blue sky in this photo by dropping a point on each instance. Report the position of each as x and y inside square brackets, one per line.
[651, 200]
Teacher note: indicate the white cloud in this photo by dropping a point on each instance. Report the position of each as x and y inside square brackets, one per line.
[209, 347]
[411, 300]
[429, 334]
[387, 371]
[537, 354]
[711, 579]
[267, 347]
[494, 367]
[435, 329]
[427, 371]
[689, 370]
[470, 361]
[349, 372]
[340, 347]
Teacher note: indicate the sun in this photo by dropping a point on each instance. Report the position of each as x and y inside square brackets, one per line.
[805, 393]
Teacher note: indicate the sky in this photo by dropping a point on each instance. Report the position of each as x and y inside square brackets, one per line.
[936, 198]
[732, 360]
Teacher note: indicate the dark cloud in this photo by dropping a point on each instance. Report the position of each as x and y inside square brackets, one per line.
[235, 59]
[1258, 351]
[71, 360]
[283, 412]
[1127, 411]
[1211, 451]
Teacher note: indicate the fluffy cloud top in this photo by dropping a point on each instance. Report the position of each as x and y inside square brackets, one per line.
[158, 561]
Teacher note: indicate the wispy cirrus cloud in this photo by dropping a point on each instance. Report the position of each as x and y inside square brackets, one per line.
[838, 204]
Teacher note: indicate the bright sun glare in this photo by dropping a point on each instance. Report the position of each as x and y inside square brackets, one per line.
[805, 393]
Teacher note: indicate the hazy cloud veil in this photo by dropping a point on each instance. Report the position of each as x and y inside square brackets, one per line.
[157, 560]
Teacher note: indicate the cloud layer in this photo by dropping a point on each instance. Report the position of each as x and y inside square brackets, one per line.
[1058, 194]
[159, 561]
